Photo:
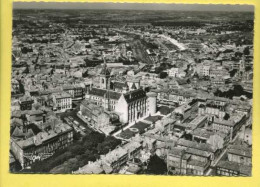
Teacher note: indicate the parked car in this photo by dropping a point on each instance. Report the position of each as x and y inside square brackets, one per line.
[75, 122]
[82, 128]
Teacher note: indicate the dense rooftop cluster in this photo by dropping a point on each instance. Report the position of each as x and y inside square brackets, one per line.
[176, 92]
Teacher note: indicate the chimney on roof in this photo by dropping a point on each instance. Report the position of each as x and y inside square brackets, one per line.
[212, 119]
[44, 118]
[24, 128]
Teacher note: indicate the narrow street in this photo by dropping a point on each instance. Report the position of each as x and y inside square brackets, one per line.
[215, 162]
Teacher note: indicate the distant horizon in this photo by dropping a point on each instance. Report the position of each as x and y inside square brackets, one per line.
[136, 10]
[131, 6]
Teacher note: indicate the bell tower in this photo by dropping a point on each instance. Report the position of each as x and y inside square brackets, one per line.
[104, 79]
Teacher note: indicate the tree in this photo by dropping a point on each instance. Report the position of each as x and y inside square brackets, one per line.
[163, 75]
[246, 51]
[248, 68]
[21, 87]
[109, 143]
[233, 72]
[25, 50]
[236, 91]
[76, 136]
[77, 149]
[66, 167]
[227, 116]
[156, 166]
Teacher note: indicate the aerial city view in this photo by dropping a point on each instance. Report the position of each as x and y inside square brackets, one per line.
[123, 91]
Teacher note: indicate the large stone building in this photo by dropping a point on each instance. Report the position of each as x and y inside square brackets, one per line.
[230, 126]
[61, 101]
[26, 102]
[98, 117]
[187, 161]
[37, 142]
[135, 105]
[214, 106]
[238, 162]
[125, 97]
[76, 91]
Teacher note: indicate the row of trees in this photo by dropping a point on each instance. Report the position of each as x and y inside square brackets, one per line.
[236, 91]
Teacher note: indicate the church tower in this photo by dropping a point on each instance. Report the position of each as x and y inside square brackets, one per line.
[104, 79]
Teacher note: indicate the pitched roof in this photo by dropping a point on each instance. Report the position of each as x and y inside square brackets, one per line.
[43, 136]
[35, 112]
[134, 95]
[18, 132]
[105, 93]
[61, 95]
[240, 150]
[202, 132]
[197, 163]
[243, 169]
[25, 98]
[120, 85]
[198, 152]
[164, 110]
[195, 145]
[133, 87]
[153, 118]
[177, 151]
[224, 122]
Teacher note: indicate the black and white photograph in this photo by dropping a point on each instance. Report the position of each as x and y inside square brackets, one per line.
[131, 88]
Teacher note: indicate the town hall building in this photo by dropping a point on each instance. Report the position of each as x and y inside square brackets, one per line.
[126, 98]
